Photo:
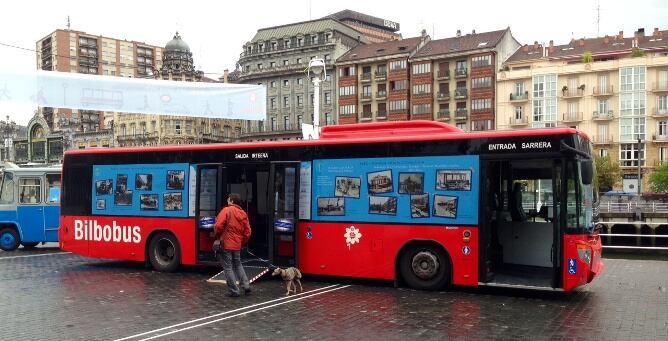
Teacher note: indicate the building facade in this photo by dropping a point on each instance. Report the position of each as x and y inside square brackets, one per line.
[278, 58]
[614, 88]
[450, 80]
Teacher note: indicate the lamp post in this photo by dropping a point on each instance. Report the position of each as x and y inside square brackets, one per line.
[316, 67]
[8, 130]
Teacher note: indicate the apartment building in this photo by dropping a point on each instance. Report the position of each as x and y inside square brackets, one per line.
[614, 88]
[278, 57]
[450, 80]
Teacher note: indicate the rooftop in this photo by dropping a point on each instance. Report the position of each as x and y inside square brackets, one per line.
[463, 43]
[378, 50]
[347, 14]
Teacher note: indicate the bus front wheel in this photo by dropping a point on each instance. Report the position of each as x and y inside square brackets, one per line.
[9, 239]
[164, 252]
[424, 266]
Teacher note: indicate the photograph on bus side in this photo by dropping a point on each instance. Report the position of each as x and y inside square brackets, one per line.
[420, 206]
[348, 187]
[411, 183]
[173, 201]
[175, 179]
[123, 198]
[453, 180]
[445, 206]
[101, 204]
[144, 182]
[104, 187]
[148, 202]
[121, 183]
[380, 182]
[382, 205]
[331, 206]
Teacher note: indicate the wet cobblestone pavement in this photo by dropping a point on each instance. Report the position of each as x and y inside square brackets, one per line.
[50, 295]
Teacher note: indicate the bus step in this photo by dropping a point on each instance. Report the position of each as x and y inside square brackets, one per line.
[253, 272]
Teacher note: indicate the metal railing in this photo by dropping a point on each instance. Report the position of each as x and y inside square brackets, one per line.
[519, 97]
[632, 207]
[638, 236]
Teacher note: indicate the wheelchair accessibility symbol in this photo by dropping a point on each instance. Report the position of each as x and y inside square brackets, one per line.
[572, 266]
[466, 250]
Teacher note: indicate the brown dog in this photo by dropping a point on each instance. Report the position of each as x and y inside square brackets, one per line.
[290, 276]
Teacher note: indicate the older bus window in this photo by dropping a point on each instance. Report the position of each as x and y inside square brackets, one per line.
[29, 190]
[7, 193]
[53, 185]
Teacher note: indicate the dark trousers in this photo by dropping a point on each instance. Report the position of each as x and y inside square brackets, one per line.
[234, 271]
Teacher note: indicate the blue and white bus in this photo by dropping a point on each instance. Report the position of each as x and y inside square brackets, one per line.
[29, 206]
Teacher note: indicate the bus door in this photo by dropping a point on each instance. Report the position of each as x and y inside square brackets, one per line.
[51, 207]
[209, 199]
[520, 235]
[30, 208]
[284, 177]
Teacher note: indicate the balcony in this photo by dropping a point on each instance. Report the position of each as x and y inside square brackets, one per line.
[572, 117]
[519, 97]
[443, 96]
[366, 116]
[601, 91]
[461, 73]
[572, 93]
[381, 115]
[602, 139]
[443, 114]
[518, 122]
[660, 87]
[461, 113]
[381, 94]
[602, 115]
[380, 75]
[365, 97]
[443, 74]
[662, 138]
[660, 112]
[461, 93]
[365, 77]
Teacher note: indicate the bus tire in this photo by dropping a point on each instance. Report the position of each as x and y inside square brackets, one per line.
[9, 239]
[424, 266]
[29, 245]
[164, 252]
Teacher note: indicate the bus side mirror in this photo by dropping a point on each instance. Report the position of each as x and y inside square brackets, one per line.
[587, 171]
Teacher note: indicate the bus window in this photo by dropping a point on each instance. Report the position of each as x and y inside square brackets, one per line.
[53, 185]
[7, 193]
[29, 189]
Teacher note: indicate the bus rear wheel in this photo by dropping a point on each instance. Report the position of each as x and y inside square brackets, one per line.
[424, 266]
[164, 252]
[9, 239]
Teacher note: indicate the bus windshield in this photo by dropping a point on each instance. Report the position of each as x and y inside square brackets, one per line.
[580, 201]
[7, 188]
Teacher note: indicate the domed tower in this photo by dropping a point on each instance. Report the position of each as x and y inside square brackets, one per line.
[177, 62]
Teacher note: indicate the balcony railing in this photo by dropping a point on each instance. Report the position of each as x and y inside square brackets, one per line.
[572, 93]
[443, 74]
[660, 137]
[572, 117]
[380, 75]
[660, 112]
[281, 47]
[603, 90]
[602, 139]
[519, 97]
[381, 94]
[461, 72]
[366, 77]
[366, 97]
[481, 64]
[660, 86]
[381, 114]
[443, 96]
[522, 121]
[461, 113]
[603, 115]
[461, 93]
[443, 114]
[366, 115]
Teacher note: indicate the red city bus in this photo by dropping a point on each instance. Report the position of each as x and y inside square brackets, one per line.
[421, 203]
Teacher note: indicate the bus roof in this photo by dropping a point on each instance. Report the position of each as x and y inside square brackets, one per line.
[380, 132]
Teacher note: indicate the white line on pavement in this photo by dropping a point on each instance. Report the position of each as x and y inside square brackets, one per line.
[41, 254]
[243, 313]
[228, 312]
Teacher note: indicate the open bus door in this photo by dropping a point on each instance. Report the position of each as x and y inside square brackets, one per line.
[207, 205]
[284, 204]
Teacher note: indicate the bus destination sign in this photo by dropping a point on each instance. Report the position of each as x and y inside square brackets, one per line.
[527, 146]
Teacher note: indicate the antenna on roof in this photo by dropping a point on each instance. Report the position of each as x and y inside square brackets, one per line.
[68, 22]
[598, 19]
[309, 9]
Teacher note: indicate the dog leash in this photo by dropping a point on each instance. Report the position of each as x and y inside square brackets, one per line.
[257, 258]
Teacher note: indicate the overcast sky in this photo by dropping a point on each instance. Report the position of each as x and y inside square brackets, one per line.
[216, 30]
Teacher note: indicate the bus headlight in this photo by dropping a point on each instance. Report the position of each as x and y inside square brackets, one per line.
[584, 253]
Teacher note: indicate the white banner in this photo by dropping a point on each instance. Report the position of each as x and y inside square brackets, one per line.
[133, 95]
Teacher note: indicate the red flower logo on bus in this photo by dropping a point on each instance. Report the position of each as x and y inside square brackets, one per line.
[352, 236]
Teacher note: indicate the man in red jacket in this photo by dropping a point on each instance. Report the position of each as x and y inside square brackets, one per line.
[233, 229]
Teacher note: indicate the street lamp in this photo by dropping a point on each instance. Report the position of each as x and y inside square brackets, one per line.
[316, 67]
[8, 130]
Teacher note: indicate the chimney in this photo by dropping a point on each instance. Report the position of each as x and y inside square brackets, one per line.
[655, 34]
[423, 33]
[459, 33]
[473, 32]
[621, 35]
[525, 48]
[606, 39]
[226, 76]
[640, 32]
[582, 42]
[552, 48]
[535, 45]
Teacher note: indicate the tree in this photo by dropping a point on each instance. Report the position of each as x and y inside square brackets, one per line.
[637, 52]
[658, 181]
[608, 173]
[587, 57]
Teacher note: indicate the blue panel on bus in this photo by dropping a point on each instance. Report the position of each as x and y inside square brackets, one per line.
[415, 190]
[141, 190]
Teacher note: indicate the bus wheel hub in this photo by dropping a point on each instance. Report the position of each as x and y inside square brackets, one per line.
[425, 265]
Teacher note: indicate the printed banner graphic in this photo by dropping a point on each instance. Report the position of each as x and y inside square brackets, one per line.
[415, 190]
[133, 95]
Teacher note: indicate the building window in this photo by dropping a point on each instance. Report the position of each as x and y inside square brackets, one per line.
[286, 82]
[347, 109]
[286, 101]
[287, 43]
[299, 61]
[347, 90]
[398, 105]
[519, 88]
[286, 123]
[327, 57]
[272, 84]
[300, 120]
[481, 104]
[544, 101]
[397, 65]
[461, 65]
[300, 101]
[312, 100]
[481, 125]
[602, 152]
[328, 97]
[629, 153]
[328, 119]
[273, 124]
[419, 109]
[421, 68]
[399, 85]
[421, 88]
[484, 82]
[347, 71]
[603, 107]
[366, 91]
[272, 103]
[661, 104]
[461, 125]
[259, 66]
[662, 128]
[663, 154]
[273, 46]
[632, 104]
[286, 62]
[481, 61]
[272, 64]
[519, 113]
[314, 39]
[328, 78]
[300, 41]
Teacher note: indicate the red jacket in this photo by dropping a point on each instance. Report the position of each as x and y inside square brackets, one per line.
[237, 231]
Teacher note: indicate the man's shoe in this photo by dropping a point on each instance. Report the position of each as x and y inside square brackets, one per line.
[233, 294]
[247, 292]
